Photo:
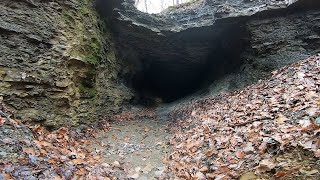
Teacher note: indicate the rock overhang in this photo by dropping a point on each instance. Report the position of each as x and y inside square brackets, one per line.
[174, 52]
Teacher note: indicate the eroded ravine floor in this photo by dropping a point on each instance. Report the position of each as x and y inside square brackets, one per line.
[137, 147]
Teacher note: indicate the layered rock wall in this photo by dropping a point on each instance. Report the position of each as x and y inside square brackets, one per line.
[274, 41]
[57, 62]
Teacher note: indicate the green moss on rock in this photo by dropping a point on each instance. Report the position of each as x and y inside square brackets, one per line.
[87, 34]
[87, 91]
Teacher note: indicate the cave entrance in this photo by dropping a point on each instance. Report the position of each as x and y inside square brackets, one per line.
[169, 65]
[189, 62]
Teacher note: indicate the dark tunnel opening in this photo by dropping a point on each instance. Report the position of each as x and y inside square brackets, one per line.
[169, 68]
[205, 55]
[163, 81]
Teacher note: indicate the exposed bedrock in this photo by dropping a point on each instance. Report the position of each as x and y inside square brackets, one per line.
[211, 45]
[58, 66]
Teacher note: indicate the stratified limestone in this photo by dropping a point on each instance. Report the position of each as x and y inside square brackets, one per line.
[57, 62]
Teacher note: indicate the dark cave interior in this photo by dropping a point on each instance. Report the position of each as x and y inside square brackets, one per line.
[189, 62]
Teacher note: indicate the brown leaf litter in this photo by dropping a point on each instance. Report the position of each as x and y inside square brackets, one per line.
[245, 131]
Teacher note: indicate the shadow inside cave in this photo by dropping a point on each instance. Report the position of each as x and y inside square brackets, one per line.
[189, 61]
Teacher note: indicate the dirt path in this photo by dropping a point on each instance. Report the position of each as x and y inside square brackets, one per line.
[137, 147]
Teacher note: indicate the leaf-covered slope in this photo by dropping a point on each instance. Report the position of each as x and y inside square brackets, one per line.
[226, 135]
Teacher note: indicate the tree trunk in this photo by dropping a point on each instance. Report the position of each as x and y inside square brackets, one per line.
[146, 5]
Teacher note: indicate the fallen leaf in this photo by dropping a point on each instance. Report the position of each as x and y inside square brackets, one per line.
[317, 153]
[146, 129]
[126, 139]
[280, 174]
[305, 123]
[7, 176]
[200, 176]
[204, 169]
[211, 152]
[300, 74]
[52, 161]
[29, 151]
[137, 169]
[211, 175]
[7, 140]
[223, 170]
[312, 111]
[78, 161]
[240, 154]
[81, 172]
[43, 143]
[281, 119]
[309, 173]
[248, 176]
[248, 148]
[265, 165]
[114, 137]
[147, 169]
[2, 121]
[116, 164]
